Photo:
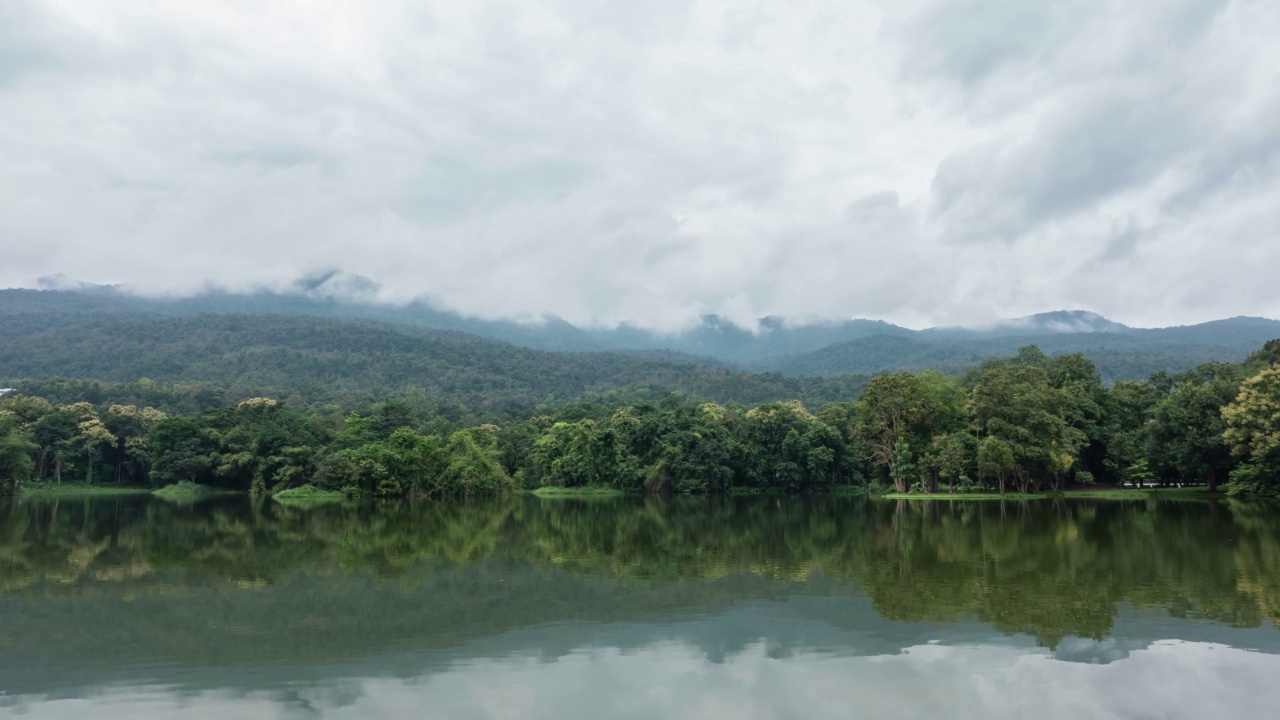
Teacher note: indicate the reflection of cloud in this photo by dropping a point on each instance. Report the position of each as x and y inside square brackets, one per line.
[672, 680]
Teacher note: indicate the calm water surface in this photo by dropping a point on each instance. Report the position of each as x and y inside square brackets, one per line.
[682, 608]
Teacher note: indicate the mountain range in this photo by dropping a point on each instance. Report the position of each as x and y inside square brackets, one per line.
[833, 348]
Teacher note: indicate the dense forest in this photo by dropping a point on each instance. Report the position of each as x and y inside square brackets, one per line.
[1024, 424]
[1130, 356]
[306, 360]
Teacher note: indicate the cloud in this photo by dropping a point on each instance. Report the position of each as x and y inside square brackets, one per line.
[924, 162]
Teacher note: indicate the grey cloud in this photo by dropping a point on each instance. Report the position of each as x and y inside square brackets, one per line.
[1245, 157]
[1179, 109]
[971, 40]
[1121, 244]
[607, 164]
[1102, 142]
[27, 35]
[1002, 55]
[873, 205]
[335, 284]
[446, 188]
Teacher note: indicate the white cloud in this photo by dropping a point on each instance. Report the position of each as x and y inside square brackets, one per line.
[931, 162]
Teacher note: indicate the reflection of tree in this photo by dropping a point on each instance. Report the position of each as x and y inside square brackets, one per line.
[1051, 570]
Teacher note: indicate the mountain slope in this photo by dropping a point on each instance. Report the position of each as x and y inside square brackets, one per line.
[325, 359]
[1129, 356]
[1060, 322]
[826, 348]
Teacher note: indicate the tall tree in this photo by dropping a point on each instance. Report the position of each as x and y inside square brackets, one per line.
[895, 407]
[1185, 435]
[16, 462]
[1016, 403]
[1252, 431]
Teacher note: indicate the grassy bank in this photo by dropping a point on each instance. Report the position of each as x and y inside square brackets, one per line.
[1186, 493]
[965, 496]
[576, 492]
[70, 489]
[309, 495]
[1191, 493]
[850, 491]
[187, 492]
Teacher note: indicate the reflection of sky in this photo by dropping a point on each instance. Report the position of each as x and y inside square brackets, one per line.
[812, 630]
[675, 680]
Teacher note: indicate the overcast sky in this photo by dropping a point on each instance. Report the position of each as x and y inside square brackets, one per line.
[922, 162]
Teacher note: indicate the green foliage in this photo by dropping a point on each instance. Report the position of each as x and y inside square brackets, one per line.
[1025, 422]
[576, 492]
[906, 409]
[1131, 356]
[1252, 423]
[47, 489]
[185, 491]
[1037, 422]
[310, 360]
[473, 467]
[16, 463]
[308, 495]
[1140, 472]
[1185, 435]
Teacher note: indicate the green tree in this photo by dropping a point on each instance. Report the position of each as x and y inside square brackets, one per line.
[16, 462]
[1252, 430]
[947, 459]
[417, 463]
[473, 467]
[996, 460]
[181, 450]
[898, 406]
[1017, 404]
[1185, 435]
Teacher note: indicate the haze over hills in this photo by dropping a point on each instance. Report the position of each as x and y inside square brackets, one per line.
[831, 348]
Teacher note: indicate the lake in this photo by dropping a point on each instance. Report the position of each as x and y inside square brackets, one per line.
[689, 607]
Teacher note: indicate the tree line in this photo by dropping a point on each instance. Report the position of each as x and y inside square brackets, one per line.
[1029, 423]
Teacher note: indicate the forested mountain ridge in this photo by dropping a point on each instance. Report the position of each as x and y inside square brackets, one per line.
[1117, 356]
[316, 359]
[818, 348]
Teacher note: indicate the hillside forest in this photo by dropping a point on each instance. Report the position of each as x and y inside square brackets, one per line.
[1027, 423]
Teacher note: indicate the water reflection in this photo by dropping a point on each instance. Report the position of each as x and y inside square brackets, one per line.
[686, 607]
[674, 681]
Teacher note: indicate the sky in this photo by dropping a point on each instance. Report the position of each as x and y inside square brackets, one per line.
[923, 162]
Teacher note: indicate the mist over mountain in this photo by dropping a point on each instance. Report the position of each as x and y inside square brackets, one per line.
[1059, 322]
[821, 348]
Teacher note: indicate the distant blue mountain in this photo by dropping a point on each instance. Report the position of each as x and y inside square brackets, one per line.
[1060, 322]
[815, 348]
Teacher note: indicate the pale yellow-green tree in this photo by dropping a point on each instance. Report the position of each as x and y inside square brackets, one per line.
[1252, 429]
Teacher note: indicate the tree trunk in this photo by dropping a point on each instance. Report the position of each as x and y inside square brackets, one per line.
[57, 468]
[1213, 481]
